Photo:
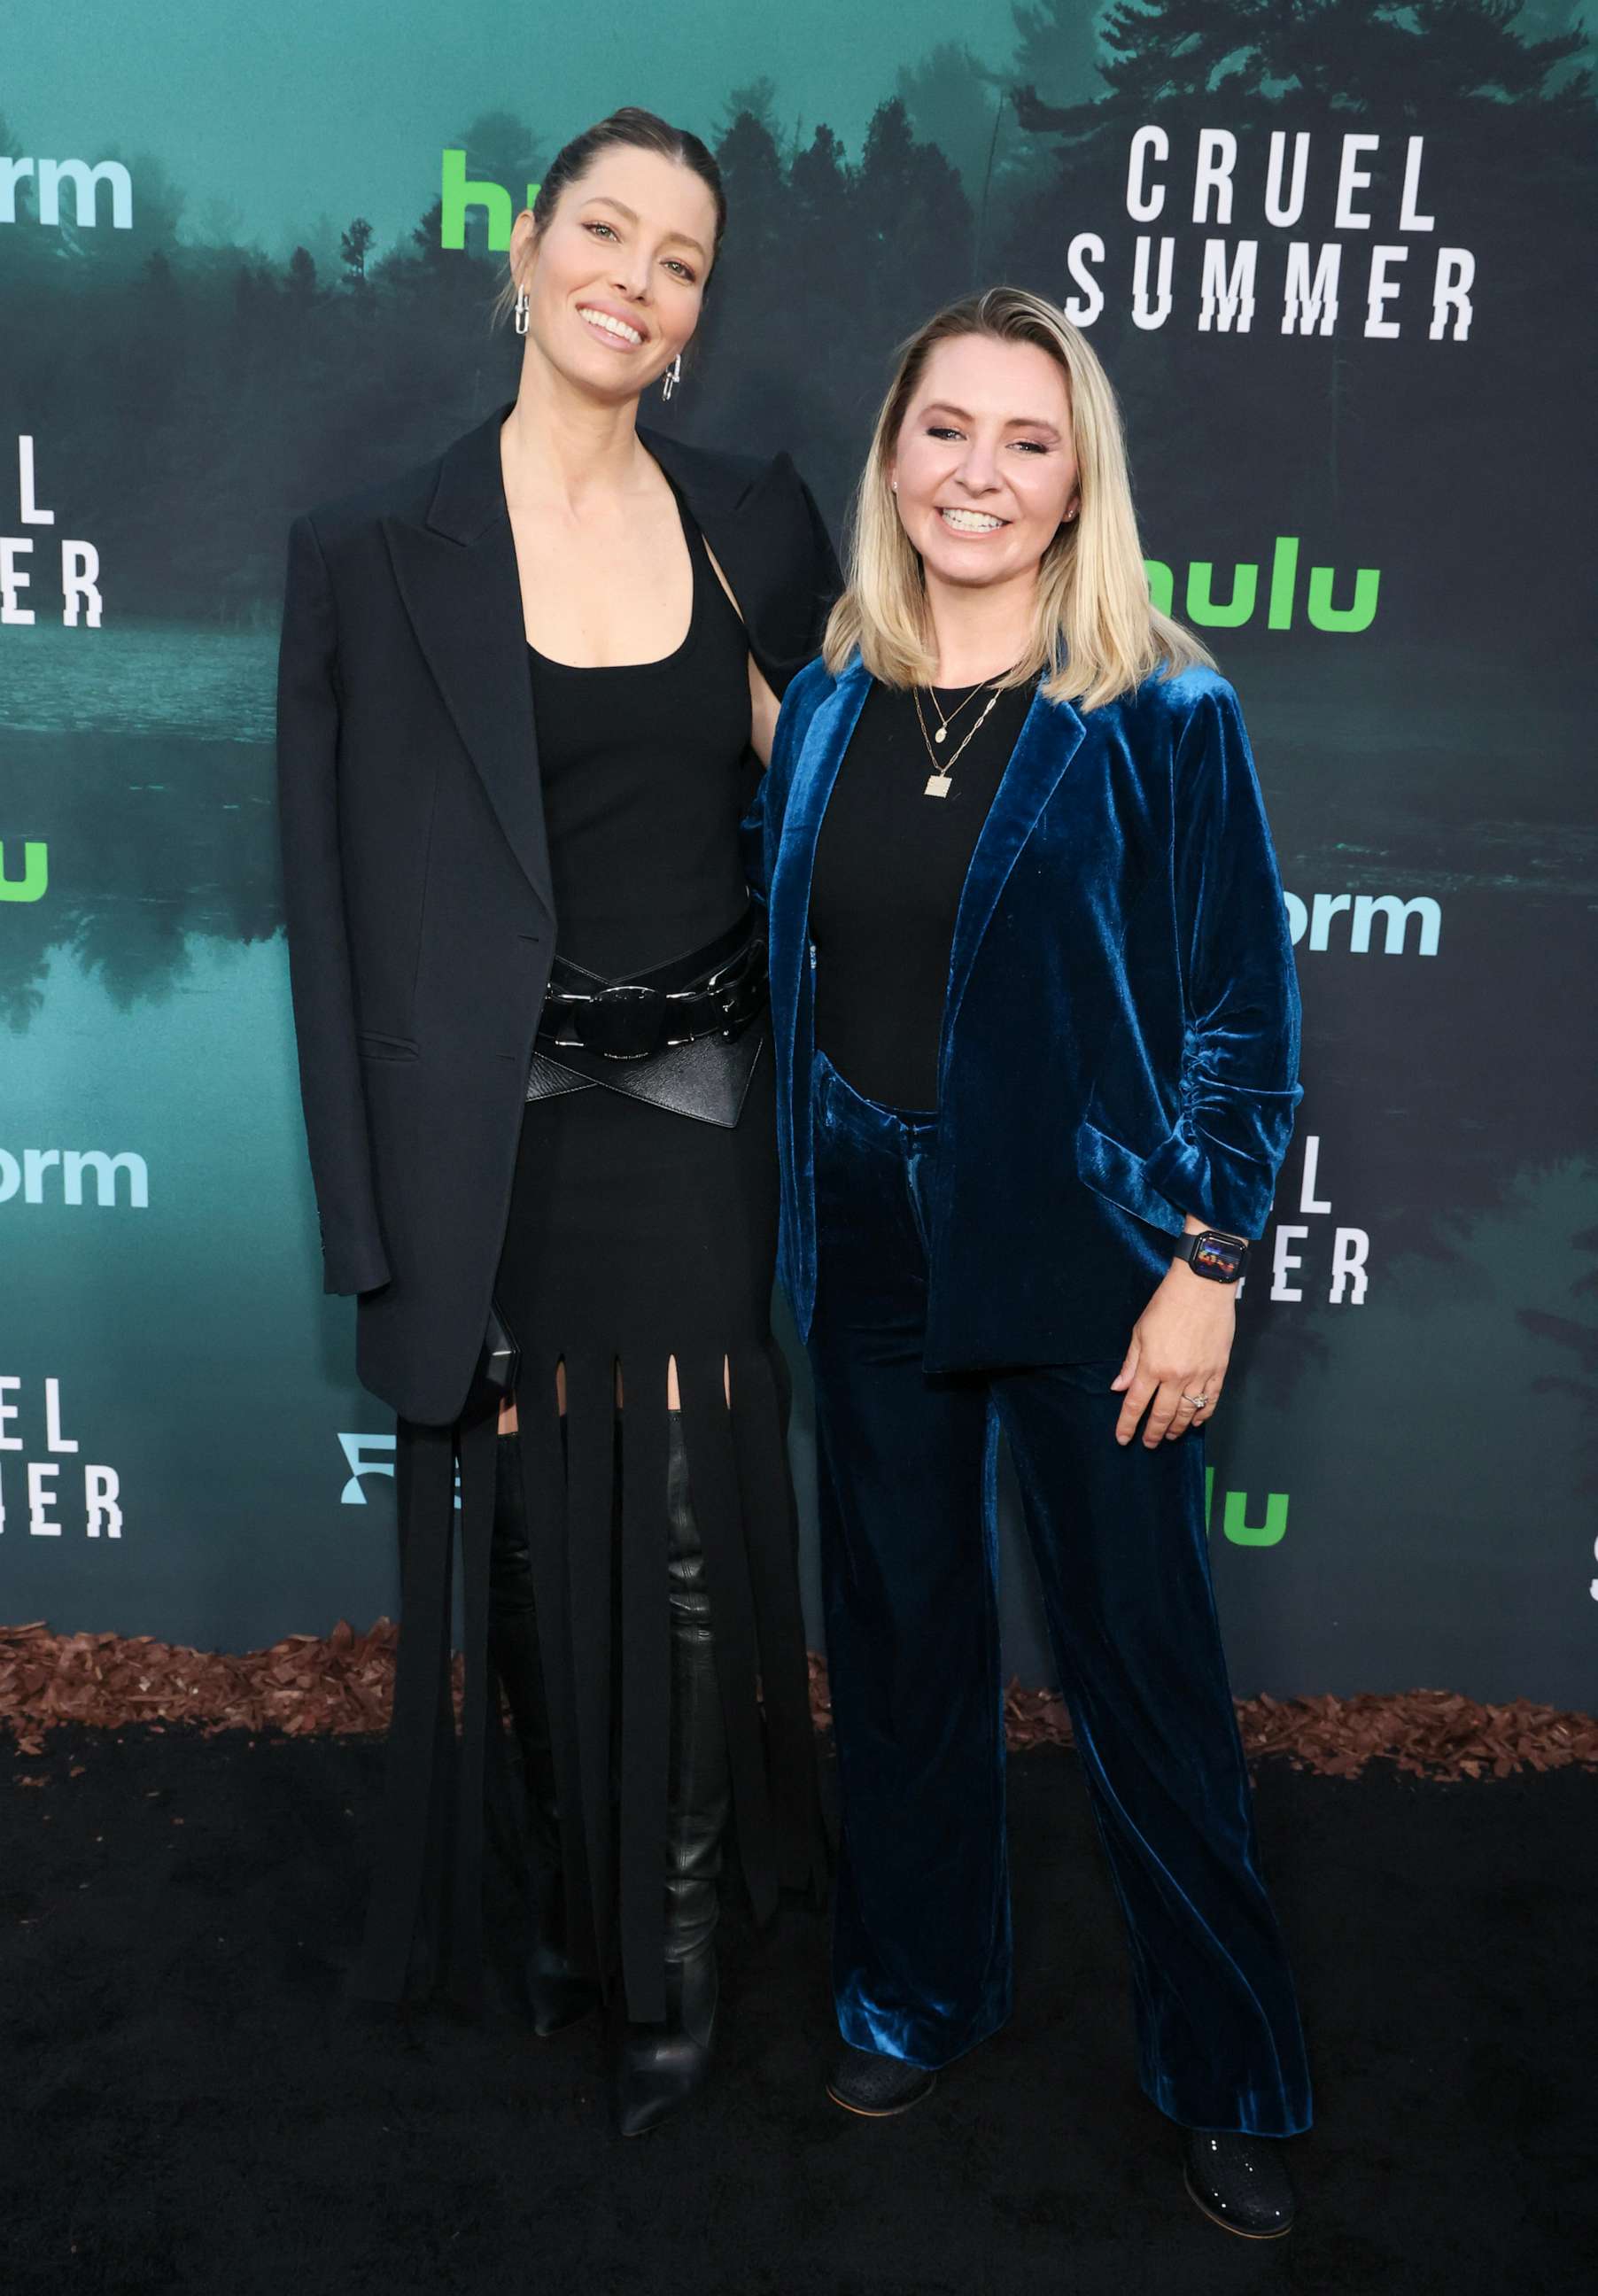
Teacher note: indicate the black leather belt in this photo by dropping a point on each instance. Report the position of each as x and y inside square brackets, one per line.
[714, 991]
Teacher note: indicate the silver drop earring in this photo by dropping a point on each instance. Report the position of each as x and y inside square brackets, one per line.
[672, 376]
[521, 310]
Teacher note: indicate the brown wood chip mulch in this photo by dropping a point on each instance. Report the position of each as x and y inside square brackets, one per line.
[307, 1685]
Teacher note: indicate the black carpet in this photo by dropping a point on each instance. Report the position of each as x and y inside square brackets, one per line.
[186, 2105]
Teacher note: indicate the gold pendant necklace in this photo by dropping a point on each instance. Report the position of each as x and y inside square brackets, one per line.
[938, 781]
[941, 733]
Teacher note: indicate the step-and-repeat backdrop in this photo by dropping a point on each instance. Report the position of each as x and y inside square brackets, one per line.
[1338, 263]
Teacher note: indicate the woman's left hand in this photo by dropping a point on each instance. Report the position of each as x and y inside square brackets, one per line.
[1180, 1347]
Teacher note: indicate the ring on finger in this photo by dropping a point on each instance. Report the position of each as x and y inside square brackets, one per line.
[1199, 1402]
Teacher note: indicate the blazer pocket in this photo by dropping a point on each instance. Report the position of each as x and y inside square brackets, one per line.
[1115, 1172]
[375, 1048]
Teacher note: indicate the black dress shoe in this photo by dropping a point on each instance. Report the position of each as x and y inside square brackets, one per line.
[876, 2087]
[1240, 2181]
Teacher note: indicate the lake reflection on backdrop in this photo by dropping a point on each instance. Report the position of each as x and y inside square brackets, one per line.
[139, 678]
[141, 755]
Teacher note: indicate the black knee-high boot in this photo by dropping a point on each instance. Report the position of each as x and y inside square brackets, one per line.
[557, 1994]
[660, 2066]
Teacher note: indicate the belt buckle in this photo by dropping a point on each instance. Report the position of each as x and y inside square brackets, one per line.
[622, 1023]
[743, 1004]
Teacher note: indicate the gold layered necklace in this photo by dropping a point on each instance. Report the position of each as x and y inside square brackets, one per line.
[942, 732]
[938, 781]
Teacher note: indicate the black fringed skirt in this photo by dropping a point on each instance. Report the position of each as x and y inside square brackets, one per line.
[635, 1235]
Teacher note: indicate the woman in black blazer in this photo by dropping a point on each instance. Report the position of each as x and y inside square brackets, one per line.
[525, 695]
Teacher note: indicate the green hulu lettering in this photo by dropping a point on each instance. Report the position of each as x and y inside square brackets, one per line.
[457, 196]
[1359, 616]
[34, 879]
[1243, 1533]
[1280, 598]
[1201, 607]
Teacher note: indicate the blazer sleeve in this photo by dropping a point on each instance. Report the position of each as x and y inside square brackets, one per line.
[319, 966]
[1240, 1066]
[826, 576]
[807, 579]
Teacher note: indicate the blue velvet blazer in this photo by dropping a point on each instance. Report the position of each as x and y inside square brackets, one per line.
[1120, 1032]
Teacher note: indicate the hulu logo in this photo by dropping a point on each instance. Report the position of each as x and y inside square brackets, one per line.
[1235, 1516]
[458, 198]
[34, 881]
[1209, 612]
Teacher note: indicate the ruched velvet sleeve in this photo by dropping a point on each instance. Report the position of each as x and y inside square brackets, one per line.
[1239, 1063]
[319, 966]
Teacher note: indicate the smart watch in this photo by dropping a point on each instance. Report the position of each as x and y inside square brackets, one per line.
[1223, 1259]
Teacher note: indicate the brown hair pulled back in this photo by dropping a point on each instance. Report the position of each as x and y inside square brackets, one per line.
[643, 131]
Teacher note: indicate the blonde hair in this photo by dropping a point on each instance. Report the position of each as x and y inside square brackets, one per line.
[1095, 632]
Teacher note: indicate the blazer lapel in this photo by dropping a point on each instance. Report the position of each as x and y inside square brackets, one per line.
[1050, 737]
[457, 576]
[815, 771]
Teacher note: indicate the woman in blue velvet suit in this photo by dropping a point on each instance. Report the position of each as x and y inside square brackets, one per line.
[1036, 1033]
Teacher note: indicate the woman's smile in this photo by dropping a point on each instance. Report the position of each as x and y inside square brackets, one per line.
[611, 326]
[970, 523]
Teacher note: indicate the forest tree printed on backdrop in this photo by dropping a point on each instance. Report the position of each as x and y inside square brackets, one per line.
[1373, 510]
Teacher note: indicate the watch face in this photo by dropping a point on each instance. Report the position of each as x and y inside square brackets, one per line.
[1220, 1257]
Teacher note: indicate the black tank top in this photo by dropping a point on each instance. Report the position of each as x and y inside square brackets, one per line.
[646, 773]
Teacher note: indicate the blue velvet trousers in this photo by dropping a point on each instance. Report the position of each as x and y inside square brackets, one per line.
[921, 1939]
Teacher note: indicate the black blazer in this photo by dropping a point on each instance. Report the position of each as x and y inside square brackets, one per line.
[417, 889]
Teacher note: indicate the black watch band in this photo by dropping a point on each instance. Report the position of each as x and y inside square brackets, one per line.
[1223, 1259]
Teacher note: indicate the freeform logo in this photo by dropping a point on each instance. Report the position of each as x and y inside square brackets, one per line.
[457, 197]
[102, 1488]
[1314, 917]
[371, 1455]
[79, 560]
[48, 176]
[34, 880]
[1350, 1246]
[364, 1454]
[1310, 272]
[1200, 604]
[24, 1176]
